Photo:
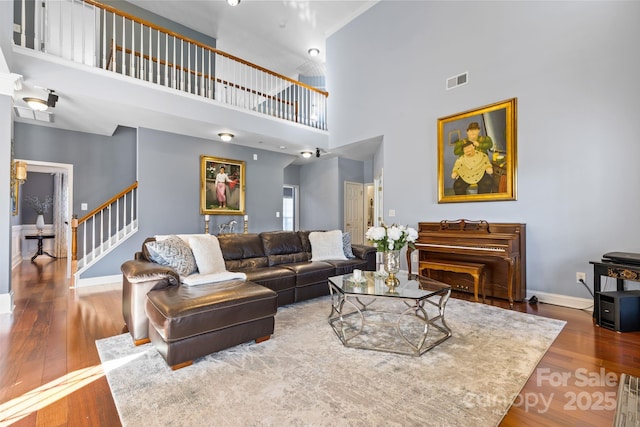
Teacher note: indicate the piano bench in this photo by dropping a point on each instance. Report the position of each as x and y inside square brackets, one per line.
[473, 269]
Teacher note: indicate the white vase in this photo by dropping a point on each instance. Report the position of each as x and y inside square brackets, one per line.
[40, 223]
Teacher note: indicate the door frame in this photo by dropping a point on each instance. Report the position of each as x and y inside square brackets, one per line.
[51, 167]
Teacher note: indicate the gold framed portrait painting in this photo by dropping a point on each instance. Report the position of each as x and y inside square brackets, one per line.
[477, 154]
[222, 186]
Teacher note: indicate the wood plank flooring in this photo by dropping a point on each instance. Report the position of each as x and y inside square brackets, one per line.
[50, 371]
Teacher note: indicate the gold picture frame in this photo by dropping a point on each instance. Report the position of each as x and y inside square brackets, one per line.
[222, 195]
[477, 154]
[15, 197]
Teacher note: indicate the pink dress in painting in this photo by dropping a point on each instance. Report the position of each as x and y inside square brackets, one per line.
[221, 188]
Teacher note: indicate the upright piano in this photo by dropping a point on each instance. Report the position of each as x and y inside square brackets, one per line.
[500, 247]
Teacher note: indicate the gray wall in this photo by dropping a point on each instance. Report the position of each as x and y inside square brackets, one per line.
[38, 185]
[102, 166]
[292, 175]
[319, 195]
[169, 190]
[577, 171]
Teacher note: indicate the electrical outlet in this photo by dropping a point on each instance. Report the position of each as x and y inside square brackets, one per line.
[581, 276]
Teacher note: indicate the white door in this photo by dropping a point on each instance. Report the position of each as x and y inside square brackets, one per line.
[353, 212]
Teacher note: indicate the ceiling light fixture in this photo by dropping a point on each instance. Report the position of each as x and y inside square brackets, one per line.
[226, 136]
[306, 154]
[36, 104]
[314, 51]
[233, 2]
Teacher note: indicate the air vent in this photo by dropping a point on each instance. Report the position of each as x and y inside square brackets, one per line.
[459, 80]
[28, 113]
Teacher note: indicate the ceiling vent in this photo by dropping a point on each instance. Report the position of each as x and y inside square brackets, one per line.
[459, 80]
[28, 113]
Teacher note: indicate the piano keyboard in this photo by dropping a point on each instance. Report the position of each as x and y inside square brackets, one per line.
[475, 248]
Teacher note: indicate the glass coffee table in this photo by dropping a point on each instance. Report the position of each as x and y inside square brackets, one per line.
[408, 319]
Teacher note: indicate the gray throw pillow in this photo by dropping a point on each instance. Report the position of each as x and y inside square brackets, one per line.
[346, 245]
[173, 252]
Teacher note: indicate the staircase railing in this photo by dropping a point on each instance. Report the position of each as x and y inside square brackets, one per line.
[102, 36]
[103, 229]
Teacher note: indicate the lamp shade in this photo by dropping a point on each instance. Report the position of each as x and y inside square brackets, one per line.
[20, 171]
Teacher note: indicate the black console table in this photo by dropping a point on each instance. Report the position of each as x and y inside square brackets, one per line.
[620, 272]
[40, 238]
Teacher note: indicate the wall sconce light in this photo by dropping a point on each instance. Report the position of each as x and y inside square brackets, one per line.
[314, 51]
[226, 136]
[306, 154]
[317, 152]
[19, 174]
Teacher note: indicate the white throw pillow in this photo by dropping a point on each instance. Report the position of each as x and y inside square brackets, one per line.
[205, 279]
[206, 250]
[326, 246]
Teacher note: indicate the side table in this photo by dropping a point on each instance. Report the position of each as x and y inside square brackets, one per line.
[40, 238]
[620, 272]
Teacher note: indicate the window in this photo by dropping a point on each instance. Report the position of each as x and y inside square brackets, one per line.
[289, 208]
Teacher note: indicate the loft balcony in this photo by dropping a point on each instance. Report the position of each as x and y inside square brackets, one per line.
[100, 36]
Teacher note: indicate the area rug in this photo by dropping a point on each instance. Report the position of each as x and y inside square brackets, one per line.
[304, 376]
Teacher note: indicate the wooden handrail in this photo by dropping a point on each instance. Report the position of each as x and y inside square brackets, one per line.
[199, 44]
[108, 202]
[153, 59]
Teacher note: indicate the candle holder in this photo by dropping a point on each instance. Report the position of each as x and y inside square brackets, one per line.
[206, 224]
[246, 224]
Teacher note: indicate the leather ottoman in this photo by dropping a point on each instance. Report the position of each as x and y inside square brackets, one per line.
[187, 322]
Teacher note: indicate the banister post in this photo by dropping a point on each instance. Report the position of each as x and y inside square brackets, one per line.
[74, 237]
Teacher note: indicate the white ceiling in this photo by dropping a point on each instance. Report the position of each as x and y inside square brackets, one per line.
[273, 34]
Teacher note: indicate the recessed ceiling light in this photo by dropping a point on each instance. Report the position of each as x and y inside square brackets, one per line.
[282, 147]
[314, 51]
[233, 2]
[307, 154]
[226, 136]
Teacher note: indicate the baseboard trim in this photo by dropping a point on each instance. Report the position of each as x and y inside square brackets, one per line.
[562, 300]
[6, 302]
[100, 280]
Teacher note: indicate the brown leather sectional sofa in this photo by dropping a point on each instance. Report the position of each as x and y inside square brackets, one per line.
[186, 322]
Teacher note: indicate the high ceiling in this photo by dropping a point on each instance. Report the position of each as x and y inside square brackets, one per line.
[275, 34]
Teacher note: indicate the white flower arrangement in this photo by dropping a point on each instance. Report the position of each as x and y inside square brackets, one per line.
[40, 207]
[390, 238]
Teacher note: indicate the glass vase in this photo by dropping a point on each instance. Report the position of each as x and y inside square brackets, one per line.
[40, 223]
[391, 263]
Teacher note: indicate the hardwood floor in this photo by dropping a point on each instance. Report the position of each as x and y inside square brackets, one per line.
[50, 371]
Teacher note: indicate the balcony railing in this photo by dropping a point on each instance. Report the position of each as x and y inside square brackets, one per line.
[98, 35]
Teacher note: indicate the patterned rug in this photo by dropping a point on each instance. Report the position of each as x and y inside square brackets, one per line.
[304, 376]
